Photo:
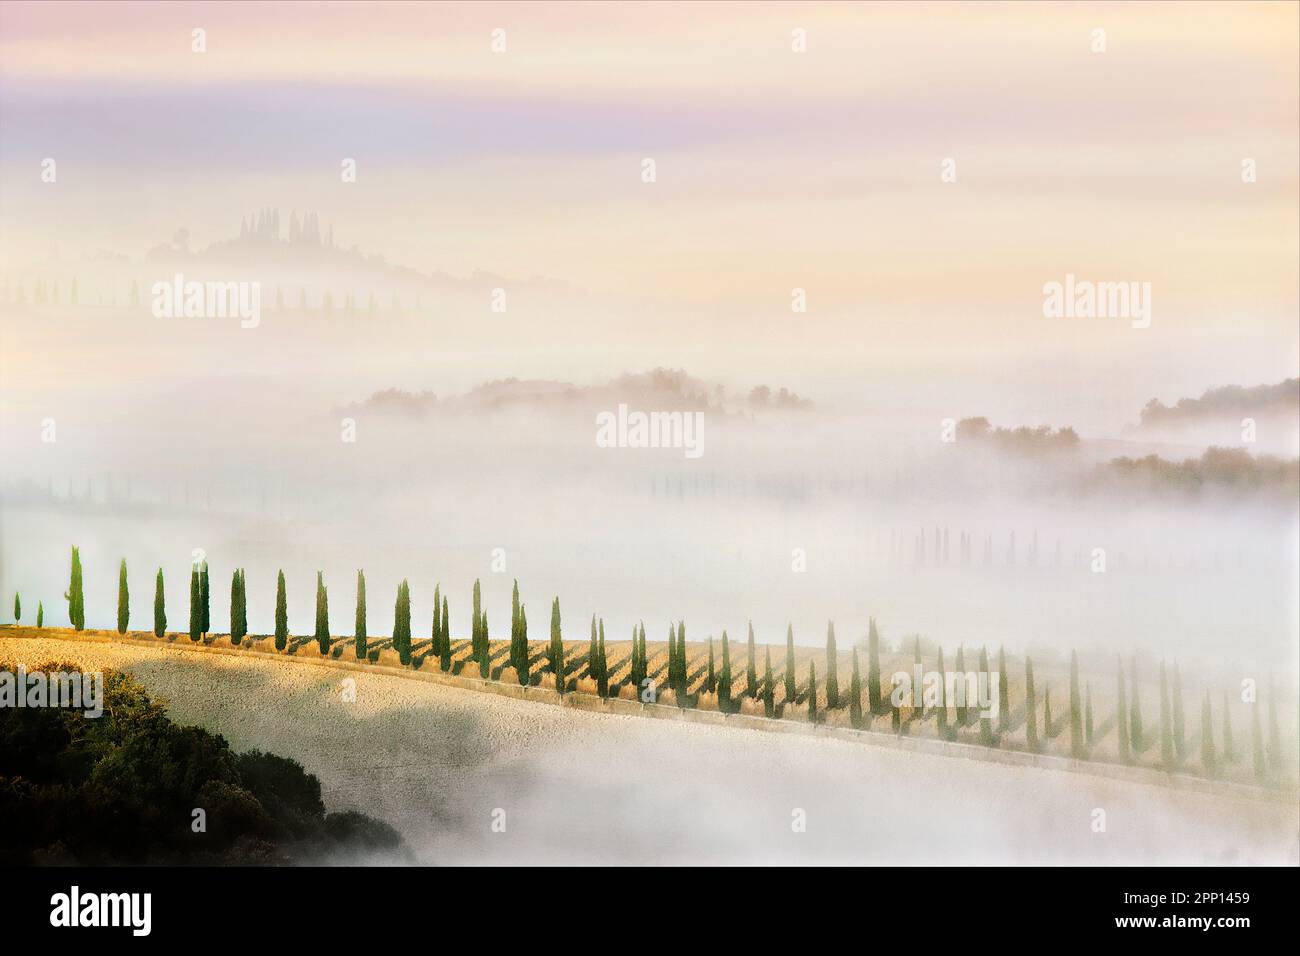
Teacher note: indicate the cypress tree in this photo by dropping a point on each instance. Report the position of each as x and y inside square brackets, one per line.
[435, 646]
[281, 614]
[74, 596]
[1166, 725]
[323, 616]
[1180, 741]
[485, 658]
[855, 694]
[751, 669]
[812, 692]
[769, 701]
[832, 669]
[1076, 709]
[40, 615]
[874, 700]
[159, 609]
[961, 709]
[1121, 712]
[593, 660]
[234, 607]
[1209, 763]
[683, 665]
[522, 669]
[602, 679]
[986, 723]
[1087, 713]
[645, 657]
[941, 710]
[359, 642]
[557, 647]
[1047, 713]
[1229, 752]
[724, 679]
[402, 623]
[196, 613]
[1261, 768]
[1004, 692]
[670, 675]
[476, 634]
[205, 599]
[18, 607]
[123, 600]
[1274, 735]
[243, 603]
[444, 659]
[1139, 743]
[711, 678]
[1031, 707]
[791, 686]
[515, 651]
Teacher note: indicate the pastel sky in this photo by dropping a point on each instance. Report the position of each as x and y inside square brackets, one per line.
[775, 169]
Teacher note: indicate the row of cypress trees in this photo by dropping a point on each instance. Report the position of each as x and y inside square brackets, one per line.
[1133, 736]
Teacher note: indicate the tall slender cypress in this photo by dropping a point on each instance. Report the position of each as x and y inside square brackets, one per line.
[1209, 761]
[476, 618]
[123, 600]
[485, 656]
[1136, 736]
[525, 677]
[874, 700]
[281, 614]
[1048, 726]
[1031, 707]
[196, 612]
[359, 642]
[1261, 767]
[602, 677]
[724, 678]
[711, 676]
[323, 615]
[75, 596]
[444, 658]
[769, 701]
[812, 692]
[515, 652]
[593, 664]
[1176, 693]
[960, 708]
[832, 669]
[159, 608]
[1004, 692]
[1229, 752]
[791, 682]
[402, 623]
[1166, 723]
[941, 704]
[557, 647]
[234, 607]
[205, 599]
[855, 694]
[18, 607]
[1121, 712]
[1087, 713]
[1076, 709]
[751, 670]
[40, 615]
[986, 723]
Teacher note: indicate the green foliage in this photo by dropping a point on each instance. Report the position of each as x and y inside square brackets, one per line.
[812, 692]
[1209, 760]
[444, 659]
[281, 614]
[123, 600]
[74, 596]
[1229, 752]
[791, 682]
[724, 679]
[40, 615]
[832, 669]
[205, 599]
[1121, 713]
[855, 694]
[18, 607]
[402, 623]
[602, 677]
[710, 675]
[1076, 709]
[556, 649]
[159, 606]
[66, 775]
[1004, 693]
[196, 612]
[323, 615]
[874, 701]
[941, 707]
[1136, 737]
[986, 723]
[1166, 724]
[359, 635]
[523, 666]
[751, 671]
[1176, 703]
[1031, 708]
[769, 690]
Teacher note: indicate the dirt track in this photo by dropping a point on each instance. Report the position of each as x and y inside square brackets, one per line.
[580, 787]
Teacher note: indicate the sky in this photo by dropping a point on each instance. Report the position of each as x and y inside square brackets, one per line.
[775, 169]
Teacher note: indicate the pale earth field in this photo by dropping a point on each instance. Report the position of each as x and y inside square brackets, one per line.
[584, 788]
